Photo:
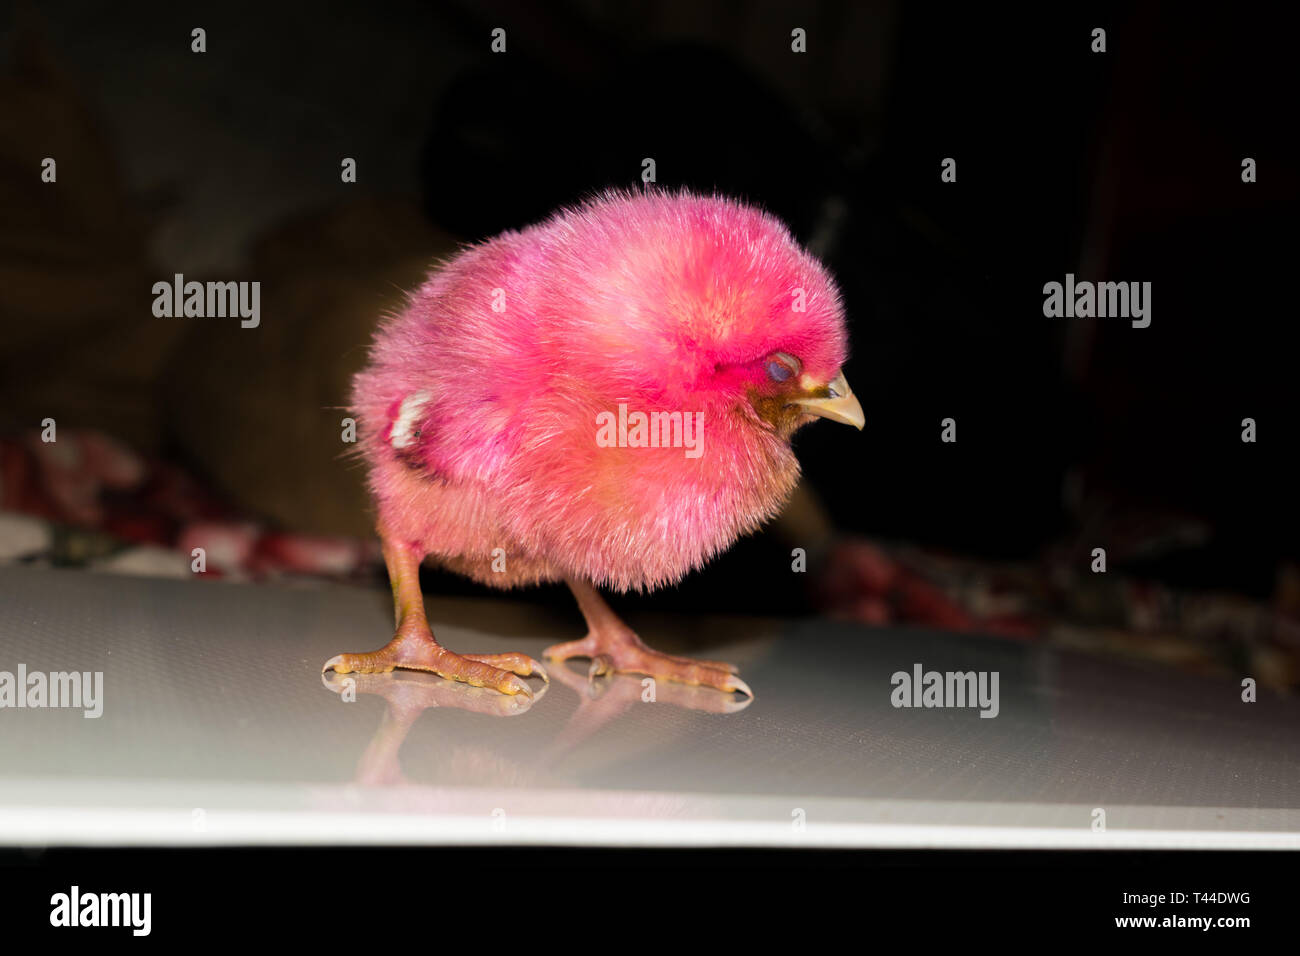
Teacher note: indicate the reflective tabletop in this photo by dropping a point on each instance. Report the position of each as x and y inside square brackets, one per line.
[216, 726]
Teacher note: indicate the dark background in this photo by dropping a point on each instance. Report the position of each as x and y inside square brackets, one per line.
[1121, 166]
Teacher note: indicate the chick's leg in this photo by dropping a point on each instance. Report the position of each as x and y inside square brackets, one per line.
[414, 647]
[613, 646]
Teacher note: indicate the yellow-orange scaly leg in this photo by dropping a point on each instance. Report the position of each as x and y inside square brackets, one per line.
[414, 647]
[613, 646]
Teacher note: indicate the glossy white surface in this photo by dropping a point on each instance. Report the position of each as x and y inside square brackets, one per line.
[218, 728]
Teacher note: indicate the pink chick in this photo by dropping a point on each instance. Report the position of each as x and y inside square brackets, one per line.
[606, 398]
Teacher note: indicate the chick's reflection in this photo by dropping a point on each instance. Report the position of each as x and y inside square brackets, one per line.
[407, 697]
[601, 700]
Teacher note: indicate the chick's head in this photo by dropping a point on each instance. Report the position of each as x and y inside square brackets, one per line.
[723, 310]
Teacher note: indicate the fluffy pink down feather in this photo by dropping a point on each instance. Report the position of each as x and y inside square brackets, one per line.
[478, 410]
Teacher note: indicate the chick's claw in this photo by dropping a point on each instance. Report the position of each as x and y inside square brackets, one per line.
[423, 653]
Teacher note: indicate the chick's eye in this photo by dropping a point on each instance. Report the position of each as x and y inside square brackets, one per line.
[782, 367]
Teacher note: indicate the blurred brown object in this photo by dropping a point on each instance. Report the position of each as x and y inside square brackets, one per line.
[257, 410]
[78, 340]
[260, 410]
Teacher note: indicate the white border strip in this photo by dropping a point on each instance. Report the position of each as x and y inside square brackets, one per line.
[41, 826]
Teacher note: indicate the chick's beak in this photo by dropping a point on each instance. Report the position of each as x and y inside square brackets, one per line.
[841, 405]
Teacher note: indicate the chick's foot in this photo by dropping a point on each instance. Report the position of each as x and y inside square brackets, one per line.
[414, 647]
[613, 646]
[419, 651]
[629, 654]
